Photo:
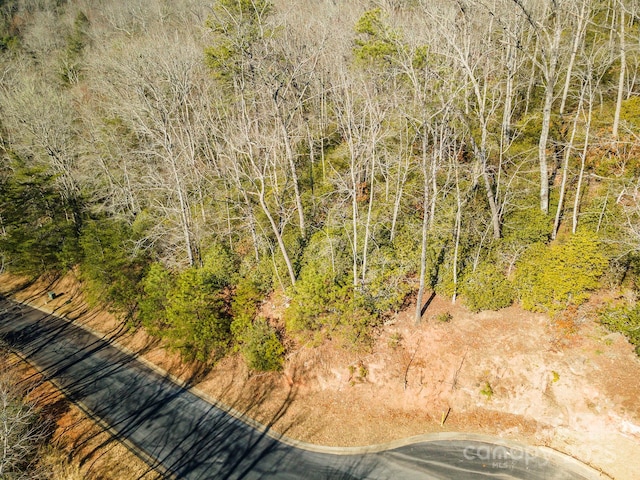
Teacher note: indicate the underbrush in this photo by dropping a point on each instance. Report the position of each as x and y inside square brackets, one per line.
[623, 318]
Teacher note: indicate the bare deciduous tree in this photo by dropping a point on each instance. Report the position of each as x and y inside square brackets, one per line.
[23, 432]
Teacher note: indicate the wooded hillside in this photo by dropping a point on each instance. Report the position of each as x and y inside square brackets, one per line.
[189, 158]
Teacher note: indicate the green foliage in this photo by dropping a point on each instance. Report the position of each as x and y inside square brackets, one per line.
[258, 272]
[244, 305]
[219, 266]
[630, 112]
[261, 347]
[8, 42]
[197, 323]
[529, 127]
[527, 226]
[378, 44]
[39, 232]
[110, 268]
[190, 310]
[625, 319]
[76, 41]
[395, 340]
[320, 283]
[487, 390]
[600, 212]
[355, 320]
[352, 121]
[487, 289]
[320, 304]
[387, 281]
[445, 285]
[440, 268]
[257, 340]
[152, 306]
[72, 56]
[551, 278]
[444, 317]
[9, 33]
[312, 301]
[421, 57]
[236, 26]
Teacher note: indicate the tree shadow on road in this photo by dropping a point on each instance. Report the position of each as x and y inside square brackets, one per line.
[180, 433]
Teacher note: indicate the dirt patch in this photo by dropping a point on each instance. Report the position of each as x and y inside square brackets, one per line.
[567, 384]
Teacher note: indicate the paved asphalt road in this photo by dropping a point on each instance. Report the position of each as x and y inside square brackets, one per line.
[191, 439]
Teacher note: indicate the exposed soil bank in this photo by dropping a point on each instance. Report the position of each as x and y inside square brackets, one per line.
[568, 384]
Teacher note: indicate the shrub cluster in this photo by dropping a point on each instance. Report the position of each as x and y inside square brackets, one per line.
[261, 347]
[487, 289]
[256, 339]
[624, 319]
[190, 309]
[549, 278]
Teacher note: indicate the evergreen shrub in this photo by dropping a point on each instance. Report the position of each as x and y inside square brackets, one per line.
[550, 278]
[261, 348]
[624, 319]
[487, 289]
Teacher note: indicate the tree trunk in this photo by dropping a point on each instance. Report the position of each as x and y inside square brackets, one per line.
[292, 170]
[456, 247]
[565, 169]
[574, 52]
[550, 75]
[184, 215]
[424, 233]
[623, 64]
[276, 232]
[354, 224]
[367, 227]
[495, 212]
[400, 182]
[583, 159]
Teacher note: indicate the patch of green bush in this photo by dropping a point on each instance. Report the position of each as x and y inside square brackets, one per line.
[486, 289]
[445, 285]
[255, 338]
[219, 266]
[487, 390]
[152, 306]
[319, 304]
[624, 319]
[387, 286]
[111, 270]
[261, 347]
[444, 317]
[550, 278]
[259, 272]
[630, 111]
[319, 290]
[313, 301]
[355, 322]
[39, 224]
[526, 226]
[197, 322]
[244, 305]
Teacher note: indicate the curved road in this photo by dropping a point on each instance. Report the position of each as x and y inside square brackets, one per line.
[184, 436]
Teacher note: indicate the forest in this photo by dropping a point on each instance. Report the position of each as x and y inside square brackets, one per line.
[186, 159]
